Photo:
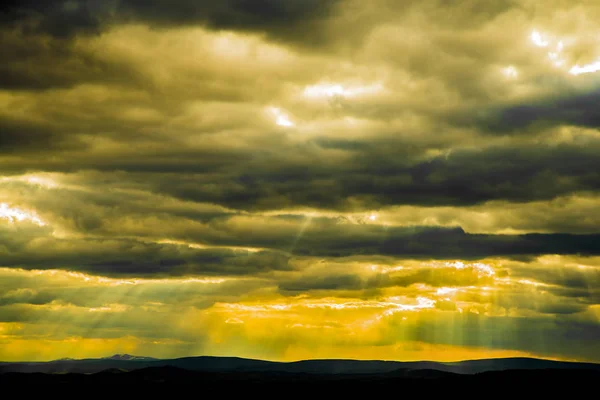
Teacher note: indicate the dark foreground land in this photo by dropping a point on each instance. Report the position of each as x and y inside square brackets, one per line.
[422, 380]
[512, 376]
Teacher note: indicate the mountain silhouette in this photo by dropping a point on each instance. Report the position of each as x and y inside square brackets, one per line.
[127, 357]
[126, 362]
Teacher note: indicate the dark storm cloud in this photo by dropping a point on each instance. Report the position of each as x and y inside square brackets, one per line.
[252, 179]
[56, 17]
[128, 257]
[462, 177]
[435, 277]
[284, 18]
[28, 248]
[38, 39]
[289, 19]
[38, 62]
[440, 243]
[588, 295]
[26, 137]
[329, 239]
[579, 109]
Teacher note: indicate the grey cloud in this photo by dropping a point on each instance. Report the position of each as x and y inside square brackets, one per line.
[129, 257]
[570, 277]
[464, 177]
[25, 296]
[38, 62]
[321, 237]
[256, 179]
[339, 240]
[589, 295]
[290, 19]
[435, 277]
[39, 291]
[539, 335]
[578, 109]
[332, 282]
[18, 137]
[110, 217]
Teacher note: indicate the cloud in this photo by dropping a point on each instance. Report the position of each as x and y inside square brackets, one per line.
[570, 109]
[26, 137]
[434, 277]
[428, 187]
[365, 181]
[284, 20]
[33, 249]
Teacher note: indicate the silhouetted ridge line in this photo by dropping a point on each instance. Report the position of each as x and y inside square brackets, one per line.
[323, 367]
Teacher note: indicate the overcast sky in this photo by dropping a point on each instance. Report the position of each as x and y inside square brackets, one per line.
[292, 179]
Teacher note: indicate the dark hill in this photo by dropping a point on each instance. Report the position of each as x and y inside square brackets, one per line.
[423, 381]
[321, 367]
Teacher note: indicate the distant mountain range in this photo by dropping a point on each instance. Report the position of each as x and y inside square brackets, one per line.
[125, 363]
[127, 357]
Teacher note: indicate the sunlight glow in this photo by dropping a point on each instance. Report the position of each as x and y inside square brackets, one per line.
[41, 181]
[482, 269]
[554, 55]
[537, 39]
[281, 118]
[530, 282]
[384, 269]
[510, 72]
[443, 291]
[116, 308]
[394, 303]
[585, 69]
[331, 90]
[104, 281]
[204, 246]
[17, 215]
[35, 180]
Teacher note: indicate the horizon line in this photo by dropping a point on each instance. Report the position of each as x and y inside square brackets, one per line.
[306, 359]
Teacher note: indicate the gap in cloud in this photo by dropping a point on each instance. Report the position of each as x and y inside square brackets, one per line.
[42, 180]
[281, 118]
[327, 89]
[13, 215]
[556, 54]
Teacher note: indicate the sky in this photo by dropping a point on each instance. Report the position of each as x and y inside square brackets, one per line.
[300, 179]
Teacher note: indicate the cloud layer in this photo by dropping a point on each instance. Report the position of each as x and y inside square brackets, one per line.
[420, 180]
